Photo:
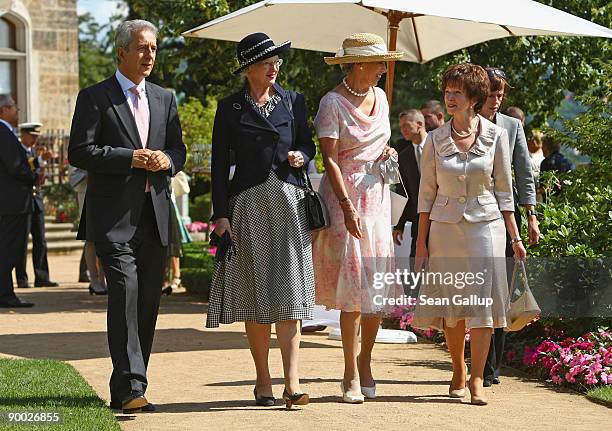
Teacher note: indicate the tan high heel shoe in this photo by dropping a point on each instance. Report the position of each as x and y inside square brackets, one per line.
[458, 393]
[476, 399]
[297, 399]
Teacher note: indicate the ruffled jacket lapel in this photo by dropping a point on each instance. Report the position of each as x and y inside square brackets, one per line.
[445, 146]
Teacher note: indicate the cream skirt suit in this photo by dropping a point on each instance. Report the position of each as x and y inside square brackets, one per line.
[464, 194]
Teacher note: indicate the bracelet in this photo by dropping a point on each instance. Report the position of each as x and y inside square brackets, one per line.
[516, 240]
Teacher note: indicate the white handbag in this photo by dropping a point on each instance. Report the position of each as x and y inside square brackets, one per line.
[525, 308]
[391, 175]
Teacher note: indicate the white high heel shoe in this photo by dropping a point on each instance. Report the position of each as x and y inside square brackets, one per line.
[369, 392]
[351, 399]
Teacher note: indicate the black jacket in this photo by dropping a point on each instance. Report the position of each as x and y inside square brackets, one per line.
[17, 178]
[410, 176]
[259, 144]
[102, 139]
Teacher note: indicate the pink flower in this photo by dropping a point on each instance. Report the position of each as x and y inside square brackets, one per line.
[212, 251]
[196, 226]
[605, 378]
[397, 312]
[585, 345]
[557, 379]
[530, 356]
[591, 379]
[570, 378]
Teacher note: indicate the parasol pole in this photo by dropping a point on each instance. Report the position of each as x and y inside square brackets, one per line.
[394, 19]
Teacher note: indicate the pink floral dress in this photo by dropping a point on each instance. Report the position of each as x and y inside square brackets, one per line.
[346, 267]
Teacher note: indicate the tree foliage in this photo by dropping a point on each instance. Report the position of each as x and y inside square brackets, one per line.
[96, 49]
[578, 221]
[540, 69]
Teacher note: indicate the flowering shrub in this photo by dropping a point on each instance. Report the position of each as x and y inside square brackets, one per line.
[401, 317]
[198, 226]
[583, 362]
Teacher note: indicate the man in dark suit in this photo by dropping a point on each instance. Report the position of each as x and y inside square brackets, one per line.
[433, 112]
[524, 193]
[126, 133]
[17, 177]
[29, 137]
[412, 126]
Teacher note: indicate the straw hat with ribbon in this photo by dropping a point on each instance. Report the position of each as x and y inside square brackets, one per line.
[362, 48]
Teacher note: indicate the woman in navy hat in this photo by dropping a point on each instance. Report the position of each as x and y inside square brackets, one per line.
[266, 276]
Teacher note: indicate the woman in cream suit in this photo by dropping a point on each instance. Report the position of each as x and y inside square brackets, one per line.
[465, 207]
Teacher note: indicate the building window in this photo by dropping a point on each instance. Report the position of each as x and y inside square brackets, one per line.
[13, 61]
[7, 34]
[7, 77]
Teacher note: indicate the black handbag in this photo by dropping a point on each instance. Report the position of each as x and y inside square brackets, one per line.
[225, 246]
[316, 211]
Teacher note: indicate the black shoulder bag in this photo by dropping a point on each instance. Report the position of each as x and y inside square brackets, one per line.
[316, 211]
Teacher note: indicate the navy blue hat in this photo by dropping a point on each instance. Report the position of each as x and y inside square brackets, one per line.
[256, 47]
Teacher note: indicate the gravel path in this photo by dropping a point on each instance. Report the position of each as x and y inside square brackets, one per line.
[203, 379]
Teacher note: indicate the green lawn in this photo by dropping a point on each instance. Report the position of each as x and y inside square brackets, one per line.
[51, 386]
[602, 394]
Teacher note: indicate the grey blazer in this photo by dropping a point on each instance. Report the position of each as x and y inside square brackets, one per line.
[476, 185]
[524, 184]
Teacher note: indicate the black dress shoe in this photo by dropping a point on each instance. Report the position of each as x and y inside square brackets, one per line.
[46, 283]
[15, 303]
[24, 285]
[487, 383]
[263, 400]
[495, 381]
[84, 278]
[97, 289]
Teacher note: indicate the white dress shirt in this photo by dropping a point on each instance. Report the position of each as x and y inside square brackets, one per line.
[418, 150]
[126, 84]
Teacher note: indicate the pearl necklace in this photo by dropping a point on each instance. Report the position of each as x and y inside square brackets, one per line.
[353, 92]
[465, 134]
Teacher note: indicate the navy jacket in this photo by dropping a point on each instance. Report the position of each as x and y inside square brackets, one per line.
[16, 176]
[259, 144]
[103, 137]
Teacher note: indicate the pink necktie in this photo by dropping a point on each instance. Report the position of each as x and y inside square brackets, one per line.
[141, 115]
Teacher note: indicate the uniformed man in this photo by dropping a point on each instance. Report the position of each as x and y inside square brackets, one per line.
[29, 138]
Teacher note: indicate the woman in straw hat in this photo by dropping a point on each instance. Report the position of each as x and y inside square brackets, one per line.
[264, 273]
[353, 127]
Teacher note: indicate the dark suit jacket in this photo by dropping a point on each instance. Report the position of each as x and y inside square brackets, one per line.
[16, 176]
[260, 144]
[410, 176]
[102, 139]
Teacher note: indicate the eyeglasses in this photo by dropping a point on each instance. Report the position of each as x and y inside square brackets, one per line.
[272, 64]
[494, 71]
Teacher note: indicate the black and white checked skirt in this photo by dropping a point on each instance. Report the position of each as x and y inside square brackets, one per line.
[270, 277]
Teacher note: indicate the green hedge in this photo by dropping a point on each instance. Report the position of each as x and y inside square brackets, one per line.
[197, 267]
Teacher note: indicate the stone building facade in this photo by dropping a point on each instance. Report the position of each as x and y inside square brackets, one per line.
[39, 59]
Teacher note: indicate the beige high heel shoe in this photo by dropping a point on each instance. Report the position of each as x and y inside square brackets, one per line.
[476, 399]
[349, 398]
[458, 393]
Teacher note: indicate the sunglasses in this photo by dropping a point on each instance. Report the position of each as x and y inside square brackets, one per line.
[494, 71]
